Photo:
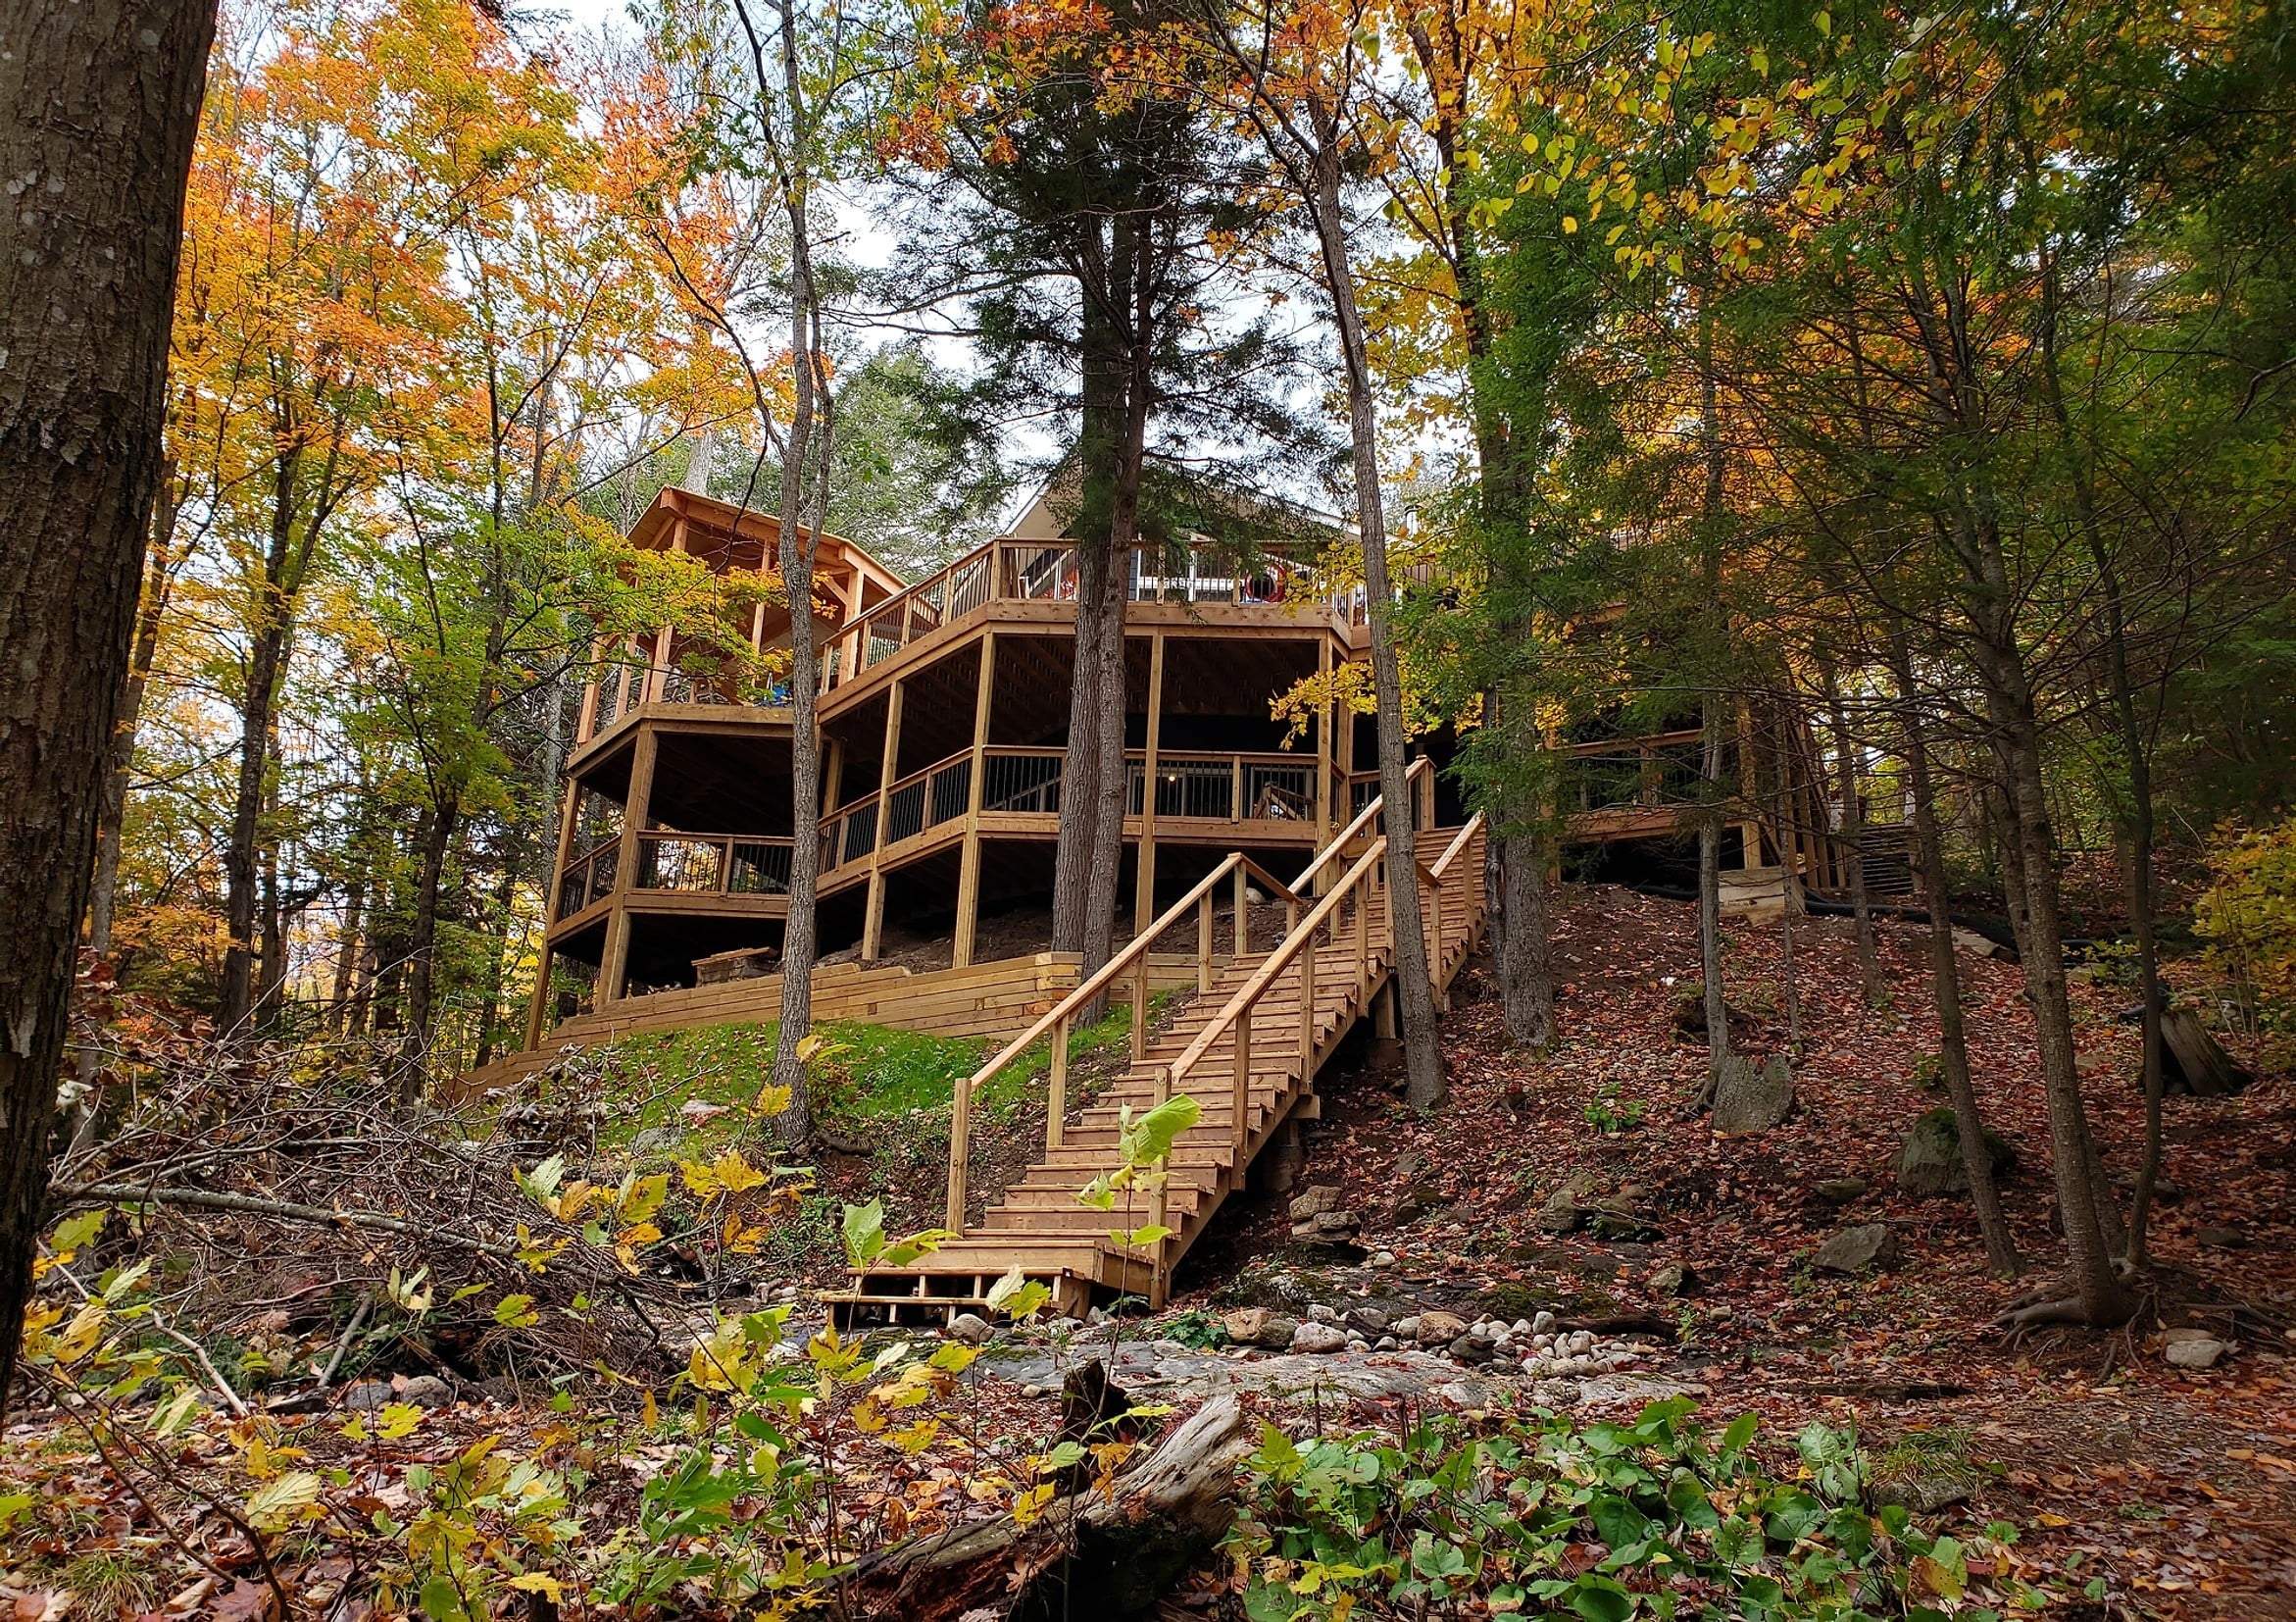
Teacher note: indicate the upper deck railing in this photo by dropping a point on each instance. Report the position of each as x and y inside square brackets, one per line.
[1046, 571]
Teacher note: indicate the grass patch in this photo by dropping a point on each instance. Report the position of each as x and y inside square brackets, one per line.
[863, 1073]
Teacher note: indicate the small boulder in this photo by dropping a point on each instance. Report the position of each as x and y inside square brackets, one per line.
[1439, 1328]
[1419, 1201]
[426, 1391]
[1472, 1349]
[970, 1328]
[2221, 1239]
[1668, 1280]
[2200, 1353]
[1256, 1326]
[1747, 1098]
[1318, 1337]
[367, 1395]
[1319, 1199]
[1367, 1320]
[1855, 1250]
[1841, 1191]
[1561, 1213]
[657, 1140]
[1930, 1163]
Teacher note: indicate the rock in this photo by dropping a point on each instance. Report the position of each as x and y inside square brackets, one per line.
[1367, 1320]
[1439, 1328]
[1409, 1164]
[1407, 1326]
[1617, 1219]
[1472, 1349]
[1970, 941]
[657, 1139]
[2196, 1354]
[1855, 1250]
[367, 1395]
[1318, 1337]
[1336, 1222]
[1561, 1213]
[1841, 1191]
[1930, 1165]
[970, 1328]
[1421, 1200]
[1386, 1259]
[1388, 1343]
[1748, 1100]
[1319, 1313]
[426, 1391]
[1319, 1199]
[2221, 1239]
[1925, 1493]
[1542, 1323]
[1668, 1280]
[1247, 1325]
[1555, 1394]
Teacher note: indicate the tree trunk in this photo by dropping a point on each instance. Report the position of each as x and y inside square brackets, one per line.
[422, 940]
[2083, 1198]
[1424, 1083]
[99, 105]
[1853, 826]
[347, 954]
[1945, 974]
[1526, 976]
[242, 884]
[1709, 937]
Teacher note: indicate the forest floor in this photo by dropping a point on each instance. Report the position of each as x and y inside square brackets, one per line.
[2178, 1487]
[2163, 1492]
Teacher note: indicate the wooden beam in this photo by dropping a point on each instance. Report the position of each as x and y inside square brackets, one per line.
[1325, 822]
[873, 927]
[1145, 889]
[614, 965]
[968, 867]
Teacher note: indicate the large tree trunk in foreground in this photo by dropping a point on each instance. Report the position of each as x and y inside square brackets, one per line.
[1086, 1555]
[99, 104]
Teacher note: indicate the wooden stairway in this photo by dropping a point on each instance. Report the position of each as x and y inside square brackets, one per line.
[1039, 1226]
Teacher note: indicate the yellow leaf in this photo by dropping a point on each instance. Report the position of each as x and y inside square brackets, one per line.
[736, 1175]
[534, 1582]
[397, 1419]
[1569, 223]
[276, 1503]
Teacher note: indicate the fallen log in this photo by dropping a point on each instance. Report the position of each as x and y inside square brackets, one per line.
[1097, 1554]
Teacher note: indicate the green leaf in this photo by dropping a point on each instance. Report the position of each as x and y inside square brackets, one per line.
[1601, 1599]
[276, 1503]
[442, 1601]
[1149, 1139]
[864, 1233]
[1741, 1434]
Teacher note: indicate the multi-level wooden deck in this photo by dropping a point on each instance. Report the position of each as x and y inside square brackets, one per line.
[1247, 1050]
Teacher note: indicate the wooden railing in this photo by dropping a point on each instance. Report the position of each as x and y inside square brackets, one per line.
[1207, 786]
[1658, 769]
[1041, 570]
[713, 864]
[587, 877]
[1354, 893]
[1239, 871]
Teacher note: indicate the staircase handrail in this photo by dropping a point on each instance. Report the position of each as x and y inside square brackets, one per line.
[1336, 847]
[1236, 866]
[1294, 943]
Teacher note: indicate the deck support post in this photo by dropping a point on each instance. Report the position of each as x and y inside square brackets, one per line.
[873, 927]
[1243, 912]
[968, 865]
[613, 963]
[1144, 889]
[960, 1154]
[1326, 820]
[1056, 1100]
[1241, 1122]
[537, 1005]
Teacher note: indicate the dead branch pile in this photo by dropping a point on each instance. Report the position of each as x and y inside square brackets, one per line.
[305, 1223]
